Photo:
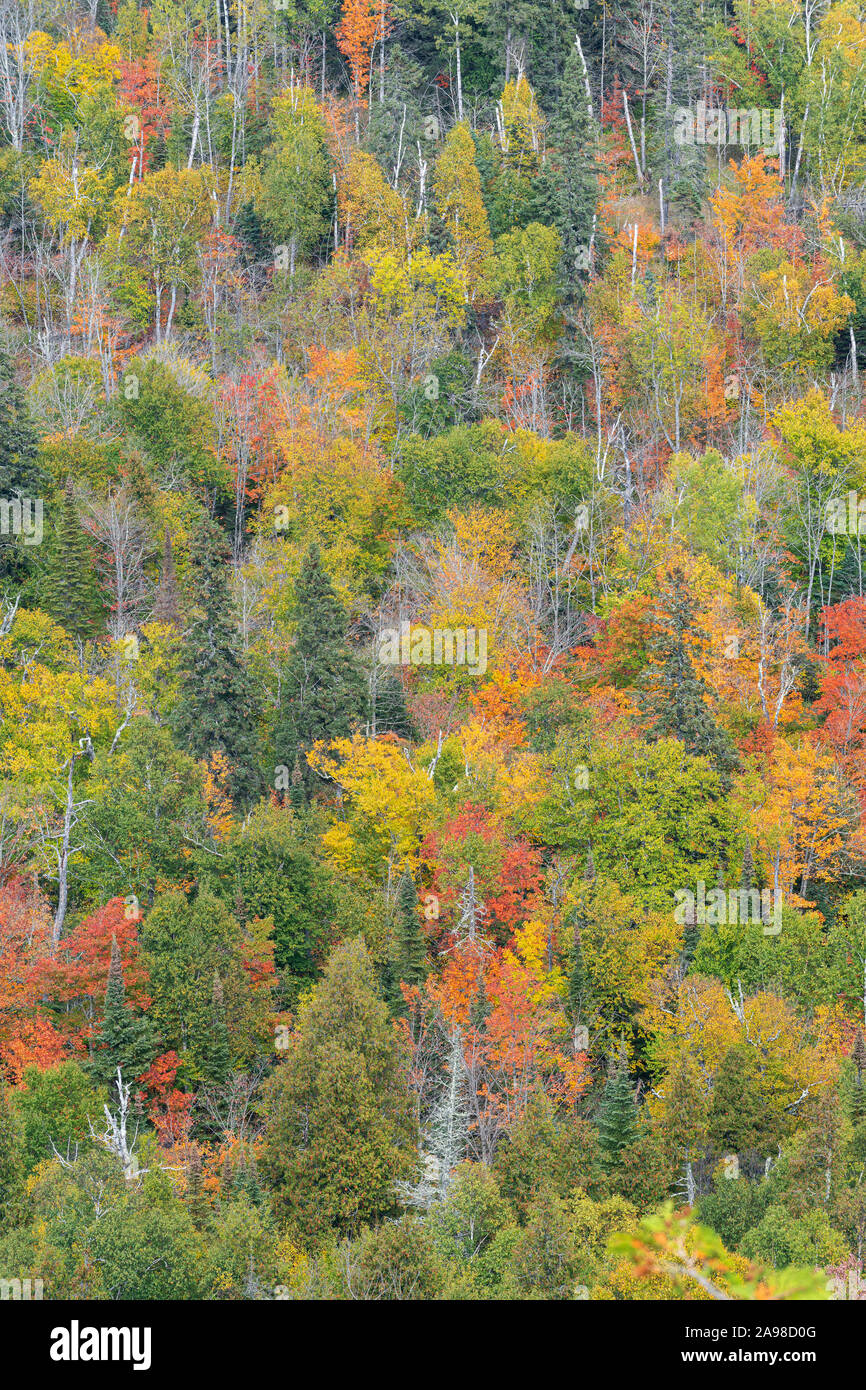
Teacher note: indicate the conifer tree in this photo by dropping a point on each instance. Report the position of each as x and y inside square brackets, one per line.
[617, 1116]
[217, 1058]
[411, 945]
[340, 1127]
[216, 709]
[740, 1120]
[674, 696]
[577, 979]
[323, 689]
[20, 475]
[166, 607]
[572, 174]
[125, 1039]
[577, 973]
[69, 589]
[747, 877]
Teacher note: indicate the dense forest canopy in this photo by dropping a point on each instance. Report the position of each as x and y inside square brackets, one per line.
[433, 648]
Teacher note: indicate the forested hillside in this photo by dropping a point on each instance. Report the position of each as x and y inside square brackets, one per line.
[433, 649]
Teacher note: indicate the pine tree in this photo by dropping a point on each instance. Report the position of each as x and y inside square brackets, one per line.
[19, 441]
[572, 174]
[69, 589]
[166, 606]
[617, 1116]
[323, 689]
[858, 1098]
[411, 945]
[747, 877]
[216, 709]
[246, 1178]
[674, 696]
[217, 1057]
[125, 1039]
[20, 475]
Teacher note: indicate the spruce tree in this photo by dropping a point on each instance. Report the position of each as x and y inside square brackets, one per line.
[323, 690]
[858, 1096]
[166, 606]
[217, 1053]
[216, 710]
[572, 176]
[674, 696]
[411, 945]
[617, 1116]
[747, 876]
[125, 1039]
[68, 587]
[20, 475]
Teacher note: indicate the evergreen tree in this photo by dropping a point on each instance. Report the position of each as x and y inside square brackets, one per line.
[217, 1056]
[19, 442]
[166, 607]
[340, 1127]
[323, 690]
[216, 709]
[20, 475]
[674, 696]
[69, 589]
[740, 1119]
[245, 1178]
[572, 176]
[747, 877]
[125, 1039]
[617, 1116]
[411, 945]
[684, 1119]
[545, 1258]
